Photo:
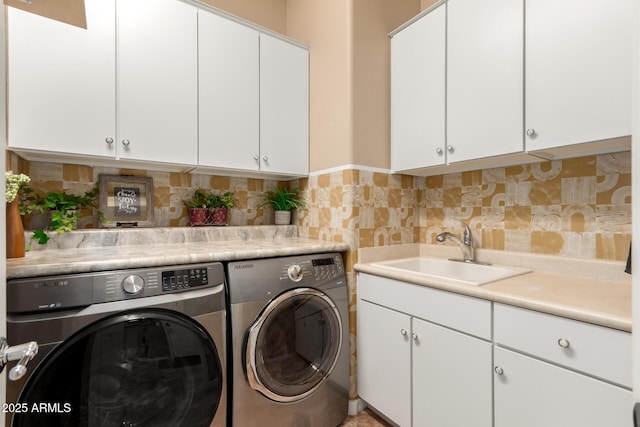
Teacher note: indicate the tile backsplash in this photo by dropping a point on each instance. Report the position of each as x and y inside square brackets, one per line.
[578, 207]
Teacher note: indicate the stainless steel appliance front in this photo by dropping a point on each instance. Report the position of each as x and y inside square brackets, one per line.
[143, 347]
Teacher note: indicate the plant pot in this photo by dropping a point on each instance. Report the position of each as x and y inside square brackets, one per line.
[218, 216]
[15, 232]
[198, 216]
[283, 217]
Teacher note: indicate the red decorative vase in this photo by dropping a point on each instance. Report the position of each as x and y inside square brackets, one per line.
[15, 231]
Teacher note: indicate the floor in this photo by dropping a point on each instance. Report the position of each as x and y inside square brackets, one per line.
[364, 418]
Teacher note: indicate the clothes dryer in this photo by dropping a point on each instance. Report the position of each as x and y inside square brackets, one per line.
[289, 341]
[140, 347]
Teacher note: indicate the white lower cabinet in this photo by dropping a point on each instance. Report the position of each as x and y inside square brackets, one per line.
[418, 372]
[451, 382]
[533, 393]
[428, 357]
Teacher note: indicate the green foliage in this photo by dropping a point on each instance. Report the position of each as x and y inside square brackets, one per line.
[65, 209]
[207, 199]
[283, 199]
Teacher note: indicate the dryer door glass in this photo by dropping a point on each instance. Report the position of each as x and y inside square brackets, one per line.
[293, 345]
[147, 367]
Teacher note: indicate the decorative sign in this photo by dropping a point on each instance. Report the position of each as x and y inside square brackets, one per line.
[126, 201]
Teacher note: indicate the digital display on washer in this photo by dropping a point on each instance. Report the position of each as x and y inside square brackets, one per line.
[322, 261]
[184, 279]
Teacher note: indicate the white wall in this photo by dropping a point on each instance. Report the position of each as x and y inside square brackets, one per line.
[3, 133]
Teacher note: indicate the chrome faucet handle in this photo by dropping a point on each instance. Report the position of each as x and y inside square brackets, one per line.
[467, 237]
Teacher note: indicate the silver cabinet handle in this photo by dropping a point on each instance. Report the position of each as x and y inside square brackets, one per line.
[414, 336]
[498, 370]
[564, 343]
[403, 332]
[450, 148]
[109, 140]
[265, 158]
[126, 142]
[256, 157]
[531, 132]
[439, 151]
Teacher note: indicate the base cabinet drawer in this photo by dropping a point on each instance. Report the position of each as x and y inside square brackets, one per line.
[532, 393]
[602, 352]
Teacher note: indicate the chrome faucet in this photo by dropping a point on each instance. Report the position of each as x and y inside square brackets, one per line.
[466, 244]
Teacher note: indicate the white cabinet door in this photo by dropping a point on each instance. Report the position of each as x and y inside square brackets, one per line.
[61, 82]
[418, 93]
[284, 107]
[578, 71]
[229, 109]
[452, 378]
[384, 354]
[532, 393]
[157, 81]
[484, 78]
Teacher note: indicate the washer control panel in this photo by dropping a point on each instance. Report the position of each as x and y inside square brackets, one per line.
[320, 268]
[83, 289]
[187, 278]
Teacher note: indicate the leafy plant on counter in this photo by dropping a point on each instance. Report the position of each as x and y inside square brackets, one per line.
[206, 199]
[283, 199]
[64, 208]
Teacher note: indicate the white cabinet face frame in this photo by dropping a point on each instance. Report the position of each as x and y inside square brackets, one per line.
[578, 71]
[485, 88]
[61, 82]
[229, 93]
[418, 98]
[157, 81]
[284, 107]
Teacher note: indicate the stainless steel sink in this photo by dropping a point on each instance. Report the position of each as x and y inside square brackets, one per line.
[463, 272]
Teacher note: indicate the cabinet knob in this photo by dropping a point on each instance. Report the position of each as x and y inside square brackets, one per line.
[126, 142]
[265, 159]
[414, 336]
[531, 132]
[109, 140]
[564, 343]
[498, 370]
[450, 148]
[439, 151]
[403, 332]
[256, 157]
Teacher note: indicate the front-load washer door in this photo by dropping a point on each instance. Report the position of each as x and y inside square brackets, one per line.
[293, 345]
[143, 368]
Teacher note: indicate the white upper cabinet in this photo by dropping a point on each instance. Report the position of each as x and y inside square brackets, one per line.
[578, 71]
[284, 107]
[61, 82]
[484, 78]
[157, 81]
[229, 91]
[418, 93]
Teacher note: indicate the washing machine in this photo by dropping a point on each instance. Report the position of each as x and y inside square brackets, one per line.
[141, 347]
[289, 359]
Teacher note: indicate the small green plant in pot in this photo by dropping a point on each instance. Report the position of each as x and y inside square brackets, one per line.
[208, 208]
[283, 201]
[64, 209]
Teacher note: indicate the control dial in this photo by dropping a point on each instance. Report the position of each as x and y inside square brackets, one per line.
[133, 284]
[295, 273]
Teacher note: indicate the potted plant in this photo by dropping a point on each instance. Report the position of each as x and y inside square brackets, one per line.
[64, 210]
[283, 201]
[14, 229]
[198, 207]
[208, 208]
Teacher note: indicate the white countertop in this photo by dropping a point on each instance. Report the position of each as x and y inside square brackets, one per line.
[585, 290]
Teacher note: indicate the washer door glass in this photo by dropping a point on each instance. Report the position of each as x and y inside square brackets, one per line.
[147, 367]
[293, 345]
